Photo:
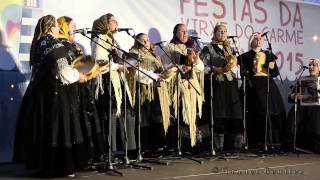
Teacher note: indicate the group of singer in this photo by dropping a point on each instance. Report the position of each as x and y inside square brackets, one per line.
[65, 117]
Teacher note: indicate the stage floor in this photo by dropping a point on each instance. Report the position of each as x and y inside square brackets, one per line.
[282, 167]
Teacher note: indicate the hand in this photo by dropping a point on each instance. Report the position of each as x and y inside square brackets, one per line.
[190, 51]
[298, 95]
[95, 74]
[271, 65]
[130, 68]
[152, 47]
[196, 57]
[83, 78]
[122, 68]
[186, 68]
[218, 70]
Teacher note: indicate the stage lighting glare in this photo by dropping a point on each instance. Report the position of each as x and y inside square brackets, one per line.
[315, 38]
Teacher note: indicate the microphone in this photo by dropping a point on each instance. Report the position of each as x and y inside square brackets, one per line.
[158, 43]
[86, 31]
[264, 34]
[304, 67]
[231, 37]
[194, 37]
[124, 29]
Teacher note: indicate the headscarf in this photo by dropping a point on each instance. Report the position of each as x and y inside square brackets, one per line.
[43, 28]
[228, 54]
[215, 29]
[253, 35]
[315, 62]
[226, 44]
[64, 32]
[175, 39]
[191, 43]
[137, 43]
[101, 24]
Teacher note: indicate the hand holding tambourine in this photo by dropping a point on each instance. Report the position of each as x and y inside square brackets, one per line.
[88, 68]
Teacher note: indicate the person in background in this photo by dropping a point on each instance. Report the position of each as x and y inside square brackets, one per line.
[152, 130]
[308, 116]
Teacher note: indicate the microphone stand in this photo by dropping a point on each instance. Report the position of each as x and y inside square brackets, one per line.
[213, 155]
[245, 145]
[196, 40]
[140, 158]
[244, 74]
[268, 120]
[268, 98]
[213, 152]
[110, 167]
[179, 153]
[296, 86]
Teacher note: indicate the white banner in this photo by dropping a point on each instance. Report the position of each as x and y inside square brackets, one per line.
[293, 27]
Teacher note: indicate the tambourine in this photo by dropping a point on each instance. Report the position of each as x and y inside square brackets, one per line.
[168, 73]
[87, 66]
[103, 66]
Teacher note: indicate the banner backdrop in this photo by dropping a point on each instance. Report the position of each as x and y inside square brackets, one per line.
[293, 27]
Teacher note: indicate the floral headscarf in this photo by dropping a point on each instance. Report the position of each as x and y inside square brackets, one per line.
[253, 35]
[64, 32]
[315, 62]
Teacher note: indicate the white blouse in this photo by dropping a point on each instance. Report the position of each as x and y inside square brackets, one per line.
[66, 73]
[99, 53]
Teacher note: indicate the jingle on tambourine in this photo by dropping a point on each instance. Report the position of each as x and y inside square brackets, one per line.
[103, 67]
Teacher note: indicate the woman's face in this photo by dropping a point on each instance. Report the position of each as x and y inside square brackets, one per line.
[314, 70]
[72, 27]
[113, 24]
[182, 33]
[221, 34]
[144, 39]
[257, 42]
[55, 30]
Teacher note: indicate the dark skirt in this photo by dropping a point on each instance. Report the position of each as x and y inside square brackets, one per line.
[47, 128]
[257, 96]
[257, 108]
[118, 133]
[226, 99]
[152, 132]
[94, 134]
[308, 128]
[226, 112]
[308, 134]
